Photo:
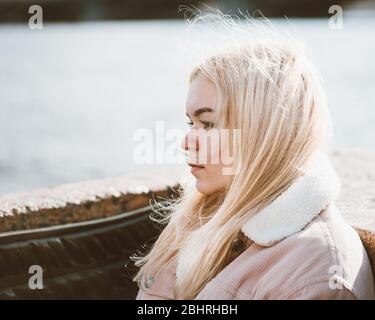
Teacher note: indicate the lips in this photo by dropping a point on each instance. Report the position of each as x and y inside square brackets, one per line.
[195, 165]
[195, 168]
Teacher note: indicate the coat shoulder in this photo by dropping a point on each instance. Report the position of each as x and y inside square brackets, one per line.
[325, 260]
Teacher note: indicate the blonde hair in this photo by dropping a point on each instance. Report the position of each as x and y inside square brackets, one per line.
[269, 90]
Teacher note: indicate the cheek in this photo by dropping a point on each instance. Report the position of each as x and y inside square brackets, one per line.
[210, 152]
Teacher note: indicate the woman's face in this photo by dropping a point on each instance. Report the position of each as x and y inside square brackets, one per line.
[204, 154]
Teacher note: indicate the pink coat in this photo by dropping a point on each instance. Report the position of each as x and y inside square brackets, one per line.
[301, 249]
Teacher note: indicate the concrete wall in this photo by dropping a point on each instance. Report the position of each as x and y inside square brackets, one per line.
[82, 201]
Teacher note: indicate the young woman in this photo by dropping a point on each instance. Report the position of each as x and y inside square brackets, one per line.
[268, 227]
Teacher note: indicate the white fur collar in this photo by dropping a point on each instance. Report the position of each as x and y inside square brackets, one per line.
[291, 211]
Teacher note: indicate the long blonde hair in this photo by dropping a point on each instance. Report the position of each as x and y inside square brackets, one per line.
[269, 90]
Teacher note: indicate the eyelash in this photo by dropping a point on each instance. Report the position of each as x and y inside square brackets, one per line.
[206, 124]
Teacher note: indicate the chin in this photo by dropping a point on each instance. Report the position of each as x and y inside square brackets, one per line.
[206, 188]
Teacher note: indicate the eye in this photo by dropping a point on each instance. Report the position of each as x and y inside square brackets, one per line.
[190, 123]
[207, 125]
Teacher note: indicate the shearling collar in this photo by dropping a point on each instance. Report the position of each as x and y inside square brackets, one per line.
[291, 211]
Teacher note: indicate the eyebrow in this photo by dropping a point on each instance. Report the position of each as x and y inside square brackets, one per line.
[200, 111]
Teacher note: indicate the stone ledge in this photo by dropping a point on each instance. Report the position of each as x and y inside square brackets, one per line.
[101, 198]
[83, 201]
[356, 168]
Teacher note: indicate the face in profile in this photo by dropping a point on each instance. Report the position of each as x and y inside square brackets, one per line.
[204, 155]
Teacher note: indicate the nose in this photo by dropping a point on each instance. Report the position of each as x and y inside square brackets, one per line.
[190, 142]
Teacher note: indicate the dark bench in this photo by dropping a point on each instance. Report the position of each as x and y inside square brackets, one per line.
[85, 260]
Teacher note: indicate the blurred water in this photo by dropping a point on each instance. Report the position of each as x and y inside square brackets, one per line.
[73, 94]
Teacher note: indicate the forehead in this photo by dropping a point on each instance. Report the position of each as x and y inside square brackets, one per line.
[202, 93]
